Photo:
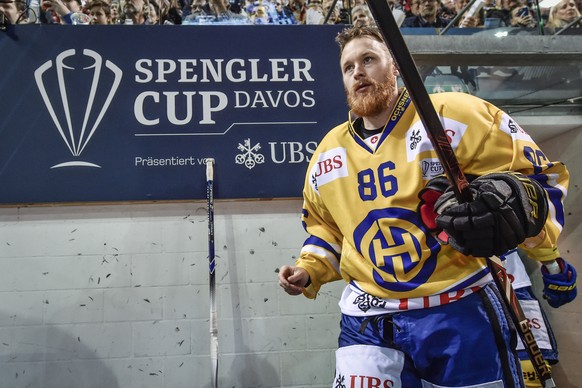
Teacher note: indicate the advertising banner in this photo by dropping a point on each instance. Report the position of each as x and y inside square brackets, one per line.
[130, 113]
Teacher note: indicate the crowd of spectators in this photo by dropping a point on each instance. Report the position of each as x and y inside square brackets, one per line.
[408, 13]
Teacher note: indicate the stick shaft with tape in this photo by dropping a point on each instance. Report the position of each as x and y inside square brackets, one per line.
[212, 272]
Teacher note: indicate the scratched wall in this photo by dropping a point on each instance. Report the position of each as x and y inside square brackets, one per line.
[117, 296]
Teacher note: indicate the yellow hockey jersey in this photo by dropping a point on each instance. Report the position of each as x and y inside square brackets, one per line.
[361, 199]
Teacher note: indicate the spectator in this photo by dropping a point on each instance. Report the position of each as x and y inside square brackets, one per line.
[283, 14]
[299, 8]
[521, 16]
[100, 12]
[427, 17]
[314, 13]
[335, 16]
[198, 9]
[115, 11]
[562, 14]
[135, 12]
[361, 16]
[397, 11]
[448, 9]
[500, 10]
[248, 7]
[496, 15]
[154, 13]
[260, 14]
[64, 12]
[412, 8]
[170, 11]
[467, 20]
[219, 8]
[13, 10]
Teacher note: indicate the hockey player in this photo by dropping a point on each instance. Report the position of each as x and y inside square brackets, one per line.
[538, 321]
[416, 313]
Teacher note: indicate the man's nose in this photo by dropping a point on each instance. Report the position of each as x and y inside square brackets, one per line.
[358, 71]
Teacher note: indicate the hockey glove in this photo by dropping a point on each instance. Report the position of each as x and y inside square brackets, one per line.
[559, 288]
[507, 208]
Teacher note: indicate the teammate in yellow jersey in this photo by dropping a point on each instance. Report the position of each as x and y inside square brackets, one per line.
[416, 311]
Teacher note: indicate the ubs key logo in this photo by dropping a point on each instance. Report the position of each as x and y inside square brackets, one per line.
[85, 87]
[250, 155]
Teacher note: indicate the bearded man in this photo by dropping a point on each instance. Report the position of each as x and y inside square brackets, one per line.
[420, 308]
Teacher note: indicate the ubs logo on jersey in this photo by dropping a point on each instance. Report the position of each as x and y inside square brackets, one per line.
[431, 167]
[417, 140]
[330, 165]
[399, 246]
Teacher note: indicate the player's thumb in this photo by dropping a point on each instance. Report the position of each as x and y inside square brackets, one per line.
[297, 277]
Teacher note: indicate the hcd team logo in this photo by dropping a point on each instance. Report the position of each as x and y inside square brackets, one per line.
[250, 156]
[77, 111]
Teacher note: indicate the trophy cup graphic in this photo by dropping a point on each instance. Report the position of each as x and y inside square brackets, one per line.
[91, 82]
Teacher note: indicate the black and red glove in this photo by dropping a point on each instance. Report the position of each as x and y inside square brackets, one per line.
[507, 208]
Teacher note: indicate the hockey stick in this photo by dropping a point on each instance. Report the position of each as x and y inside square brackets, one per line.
[437, 136]
[212, 267]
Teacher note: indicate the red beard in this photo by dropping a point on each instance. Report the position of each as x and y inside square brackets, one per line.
[374, 102]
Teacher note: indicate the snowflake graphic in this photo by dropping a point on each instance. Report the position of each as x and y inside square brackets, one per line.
[249, 157]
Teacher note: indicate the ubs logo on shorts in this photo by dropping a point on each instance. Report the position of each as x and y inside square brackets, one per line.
[358, 381]
[399, 246]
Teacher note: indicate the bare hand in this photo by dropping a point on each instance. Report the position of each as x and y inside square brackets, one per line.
[523, 21]
[469, 22]
[292, 279]
[58, 6]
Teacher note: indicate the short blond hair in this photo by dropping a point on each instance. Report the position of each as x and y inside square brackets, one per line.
[349, 34]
